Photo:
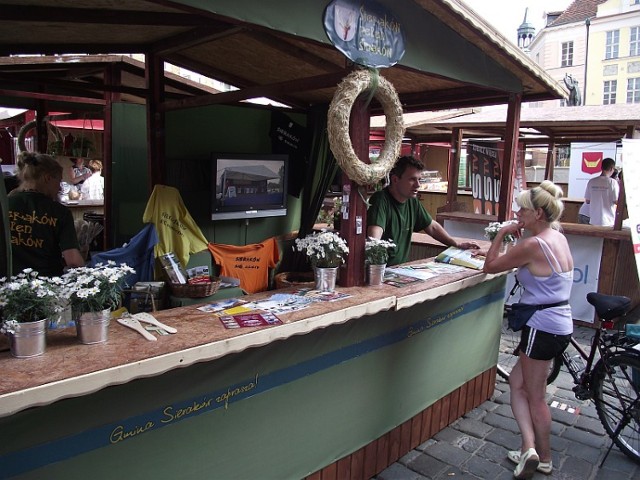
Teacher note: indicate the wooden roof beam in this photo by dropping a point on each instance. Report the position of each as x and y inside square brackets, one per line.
[100, 16]
[300, 85]
[49, 97]
[192, 38]
[282, 45]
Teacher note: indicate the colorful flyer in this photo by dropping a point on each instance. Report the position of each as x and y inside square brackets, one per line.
[244, 320]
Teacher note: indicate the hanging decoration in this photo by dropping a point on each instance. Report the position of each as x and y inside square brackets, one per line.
[365, 32]
[349, 89]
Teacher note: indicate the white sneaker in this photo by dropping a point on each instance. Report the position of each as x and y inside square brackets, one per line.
[529, 461]
[543, 467]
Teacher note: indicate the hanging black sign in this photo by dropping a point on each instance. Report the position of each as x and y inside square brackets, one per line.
[365, 32]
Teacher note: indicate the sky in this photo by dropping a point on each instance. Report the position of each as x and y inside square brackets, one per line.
[507, 15]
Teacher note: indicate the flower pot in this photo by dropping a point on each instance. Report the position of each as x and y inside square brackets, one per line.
[375, 274]
[295, 279]
[326, 279]
[29, 339]
[93, 327]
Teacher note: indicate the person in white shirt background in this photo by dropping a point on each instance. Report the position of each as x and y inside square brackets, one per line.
[601, 195]
[93, 187]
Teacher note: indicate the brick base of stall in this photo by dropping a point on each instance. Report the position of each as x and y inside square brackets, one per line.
[382, 452]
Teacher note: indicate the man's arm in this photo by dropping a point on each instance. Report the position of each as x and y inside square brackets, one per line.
[374, 231]
[438, 232]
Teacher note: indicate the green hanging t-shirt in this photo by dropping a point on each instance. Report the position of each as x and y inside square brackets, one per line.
[398, 222]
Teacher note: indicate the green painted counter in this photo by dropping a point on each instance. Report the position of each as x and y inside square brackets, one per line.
[281, 402]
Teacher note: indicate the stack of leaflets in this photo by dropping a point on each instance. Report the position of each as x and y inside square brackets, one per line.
[400, 277]
[463, 258]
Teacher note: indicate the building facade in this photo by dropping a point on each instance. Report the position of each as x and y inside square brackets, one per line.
[597, 44]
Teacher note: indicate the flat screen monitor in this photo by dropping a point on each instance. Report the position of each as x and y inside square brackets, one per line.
[248, 186]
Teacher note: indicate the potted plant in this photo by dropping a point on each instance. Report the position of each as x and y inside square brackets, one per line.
[492, 230]
[81, 146]
[326, 252]
[92, 293]
[27, 301]
[376, 254]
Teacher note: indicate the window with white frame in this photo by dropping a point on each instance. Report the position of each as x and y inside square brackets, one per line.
[634, 41]
[633, 90]
[567, 54]
[609, 95]
[612, 46]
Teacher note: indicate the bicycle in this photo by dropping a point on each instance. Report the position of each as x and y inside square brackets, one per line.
[608, 373]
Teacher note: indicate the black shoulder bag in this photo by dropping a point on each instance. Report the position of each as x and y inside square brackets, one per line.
[518, 314]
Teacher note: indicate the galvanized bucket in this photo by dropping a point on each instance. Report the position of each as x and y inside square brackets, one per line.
[93, 327]
[29, 339]
[326, 279]
[376, 274]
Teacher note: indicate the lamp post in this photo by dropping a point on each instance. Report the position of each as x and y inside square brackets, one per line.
[587, 22]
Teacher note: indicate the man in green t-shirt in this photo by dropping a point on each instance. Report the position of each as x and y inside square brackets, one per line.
[395, 212]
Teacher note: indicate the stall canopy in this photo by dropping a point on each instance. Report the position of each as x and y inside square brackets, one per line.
[590, 123]
[276, 49]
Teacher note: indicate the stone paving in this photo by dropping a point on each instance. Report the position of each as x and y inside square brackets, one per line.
[476, 445]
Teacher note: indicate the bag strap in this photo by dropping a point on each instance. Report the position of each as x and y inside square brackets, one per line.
[549, 305]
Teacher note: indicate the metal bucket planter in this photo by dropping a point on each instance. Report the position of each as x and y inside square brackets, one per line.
[326, 279]
[93, 327]
[28, 339]
[375, 274]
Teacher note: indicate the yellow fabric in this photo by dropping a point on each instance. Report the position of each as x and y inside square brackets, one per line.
[177, 230]
[250, 263]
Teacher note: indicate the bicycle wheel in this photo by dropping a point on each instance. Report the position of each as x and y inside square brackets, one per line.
[616, 383]
[509, 341]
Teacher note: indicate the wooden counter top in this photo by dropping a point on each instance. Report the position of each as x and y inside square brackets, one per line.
[70, 369]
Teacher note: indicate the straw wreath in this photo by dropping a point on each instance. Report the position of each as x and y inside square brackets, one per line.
[338, 127]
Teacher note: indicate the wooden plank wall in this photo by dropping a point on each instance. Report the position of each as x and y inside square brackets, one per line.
[382, 452]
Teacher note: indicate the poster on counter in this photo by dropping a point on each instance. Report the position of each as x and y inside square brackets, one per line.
[586, 163]
[630, 174]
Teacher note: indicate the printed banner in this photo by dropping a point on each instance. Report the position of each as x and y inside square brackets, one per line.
[586, 163]
[484, 164]
[631, 173]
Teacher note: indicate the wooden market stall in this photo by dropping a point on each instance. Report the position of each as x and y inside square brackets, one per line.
[338, 384]
[604, 255]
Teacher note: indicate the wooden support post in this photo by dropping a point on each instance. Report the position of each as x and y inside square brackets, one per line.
[551, 160]
[154, 76]
[112, 77]
[453, 169]
[621, 208]
[352, 272]
[508, 162]
[41, 128]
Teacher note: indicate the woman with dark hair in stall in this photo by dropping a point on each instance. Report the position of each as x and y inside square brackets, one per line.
[43, 236]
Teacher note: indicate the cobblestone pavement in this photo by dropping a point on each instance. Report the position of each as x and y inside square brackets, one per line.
[476, 445]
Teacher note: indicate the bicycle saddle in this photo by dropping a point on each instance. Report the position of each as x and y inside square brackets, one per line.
[608, 306]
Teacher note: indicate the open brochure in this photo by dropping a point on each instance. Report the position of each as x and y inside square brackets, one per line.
[463, 258]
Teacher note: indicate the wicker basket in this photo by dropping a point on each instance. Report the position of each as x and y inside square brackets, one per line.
[196, 290]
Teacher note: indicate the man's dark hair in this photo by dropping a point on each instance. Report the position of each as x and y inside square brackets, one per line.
[406, 161]
[608, 164]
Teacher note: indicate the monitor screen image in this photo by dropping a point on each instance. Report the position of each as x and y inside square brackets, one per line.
[248, 186]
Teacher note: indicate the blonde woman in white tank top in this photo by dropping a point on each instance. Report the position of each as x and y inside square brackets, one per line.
[543, 257]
